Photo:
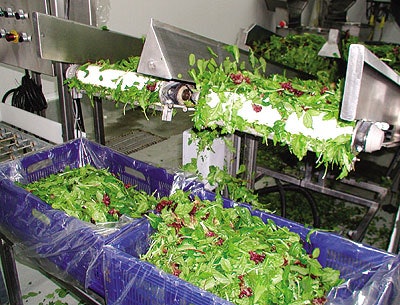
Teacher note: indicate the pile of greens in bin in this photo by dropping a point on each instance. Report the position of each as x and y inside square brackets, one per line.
[227, 252]
[91, 194]
[300, 52]
[235, 255]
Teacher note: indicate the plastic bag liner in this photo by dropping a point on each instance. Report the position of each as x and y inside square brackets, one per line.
[379, 285]
[64, 246]
[105, 258]
[132, 281]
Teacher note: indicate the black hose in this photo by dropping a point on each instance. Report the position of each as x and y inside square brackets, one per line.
[28, 96]
[5, 96]
[395, 10]
[282, 188]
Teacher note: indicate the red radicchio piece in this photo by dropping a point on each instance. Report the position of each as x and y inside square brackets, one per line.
[257, 258]
[256, 108]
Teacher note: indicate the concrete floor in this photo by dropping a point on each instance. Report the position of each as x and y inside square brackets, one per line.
[167, 154]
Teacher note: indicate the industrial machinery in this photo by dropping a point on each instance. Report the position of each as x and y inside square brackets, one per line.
[366, 78]
[362, 102]
[44, 37]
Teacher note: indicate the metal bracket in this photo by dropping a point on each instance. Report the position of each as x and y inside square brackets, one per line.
[167, 112]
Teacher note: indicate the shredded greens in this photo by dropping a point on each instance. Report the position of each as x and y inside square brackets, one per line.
[306, 99]
[91, 194]
[300, 52]
[145, 98]
[235, 255]
[228, 252]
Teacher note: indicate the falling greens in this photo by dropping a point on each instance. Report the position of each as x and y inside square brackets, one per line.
[225, 90]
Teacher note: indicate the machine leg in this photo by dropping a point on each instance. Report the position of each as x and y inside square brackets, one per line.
[249, 159]
[10, 273]
[361, 230]
[66, 106]
[98, 121]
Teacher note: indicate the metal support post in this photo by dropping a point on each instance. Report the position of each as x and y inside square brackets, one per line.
[10, 272]
[98, 120]
[250, 158]
[66, 103]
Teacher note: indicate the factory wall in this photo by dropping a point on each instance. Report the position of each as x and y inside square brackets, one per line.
[217, 19]
[220, 20]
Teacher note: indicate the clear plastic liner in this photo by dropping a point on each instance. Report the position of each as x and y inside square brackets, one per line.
[64, 246]
[105, 258]
[378, 285]
[368, 273]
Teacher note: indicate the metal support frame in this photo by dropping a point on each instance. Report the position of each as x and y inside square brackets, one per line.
[249, 158]
[394, 173]
[319, 186]
[98, 121]
[10, 272]
[66, 104]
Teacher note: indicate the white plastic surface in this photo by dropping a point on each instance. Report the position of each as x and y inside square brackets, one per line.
[35, 124]
[205, 159]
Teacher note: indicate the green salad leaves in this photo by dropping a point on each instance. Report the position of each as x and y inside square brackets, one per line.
[230, 97]
[225, 251]
[233, 98]
[91, 194]
[235, 255]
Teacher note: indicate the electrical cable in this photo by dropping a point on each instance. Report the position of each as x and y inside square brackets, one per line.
[28, 96]
[78, 117]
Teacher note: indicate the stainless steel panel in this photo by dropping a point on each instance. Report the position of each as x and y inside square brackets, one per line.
[72, 42]
[167, 49]
[23, 55]
[83, 11]
[31, 123]
[372, 89]
[273, 4]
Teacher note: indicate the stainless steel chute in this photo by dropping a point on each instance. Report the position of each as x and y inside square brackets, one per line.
[167, 48]
[371, 92]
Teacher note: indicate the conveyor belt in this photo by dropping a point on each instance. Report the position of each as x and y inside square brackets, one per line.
[15, 143]
[133, 141]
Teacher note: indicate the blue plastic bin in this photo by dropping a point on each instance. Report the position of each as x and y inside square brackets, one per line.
[67, 247]
[130, 281]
